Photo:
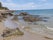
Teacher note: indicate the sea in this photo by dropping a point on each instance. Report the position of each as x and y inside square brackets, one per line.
[42, 12]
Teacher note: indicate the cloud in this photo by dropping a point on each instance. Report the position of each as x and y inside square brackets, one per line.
[27, 6]
[20, 6]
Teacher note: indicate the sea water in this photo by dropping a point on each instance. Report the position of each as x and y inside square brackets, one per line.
[43, 13]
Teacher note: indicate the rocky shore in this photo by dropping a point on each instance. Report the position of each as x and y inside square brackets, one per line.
[26, 36]
[32, 18]
[26, 17]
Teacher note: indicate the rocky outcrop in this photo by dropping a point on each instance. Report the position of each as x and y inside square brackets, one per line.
[23, 14]
[15, 18]
[31, 19]
[12, 32]
[3, 16]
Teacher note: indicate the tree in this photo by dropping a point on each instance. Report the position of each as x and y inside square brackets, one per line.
[3, 8]
[0, 5]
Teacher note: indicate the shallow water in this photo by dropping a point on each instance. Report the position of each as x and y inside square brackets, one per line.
[41, 27]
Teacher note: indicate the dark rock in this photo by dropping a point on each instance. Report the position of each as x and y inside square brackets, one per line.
[46, 17]
[9, 14]
[45, 20]
[31, 19]
[4, 15]
[47, 37]
[5, 33]
[8, 32]
[12, 32]
[23, 14]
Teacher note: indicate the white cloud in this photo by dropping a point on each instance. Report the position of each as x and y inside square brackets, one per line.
[27, 6]
[20, 6]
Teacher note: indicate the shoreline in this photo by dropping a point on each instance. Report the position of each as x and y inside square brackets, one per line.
[26, 36]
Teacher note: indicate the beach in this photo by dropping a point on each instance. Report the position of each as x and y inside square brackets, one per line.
[27, 35]
[26, 20]
[40, 32]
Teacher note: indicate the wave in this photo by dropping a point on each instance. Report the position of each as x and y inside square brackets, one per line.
[40, 29]
[50, 28]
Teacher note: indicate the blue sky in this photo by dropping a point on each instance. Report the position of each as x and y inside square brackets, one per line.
[27, 4]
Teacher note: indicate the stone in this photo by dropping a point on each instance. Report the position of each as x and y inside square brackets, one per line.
[12, 32]
[23, 14]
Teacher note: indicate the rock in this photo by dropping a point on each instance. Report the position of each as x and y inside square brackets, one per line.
[31, 19]
[23, 14]
[46, 17]
[12, 32]
[5, 33]
[15, 18]
[4, 15]
[47, 38]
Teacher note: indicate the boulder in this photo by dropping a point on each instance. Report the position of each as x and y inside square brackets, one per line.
[15, 18]
[23, 14]
[12, 32]
[31, 19]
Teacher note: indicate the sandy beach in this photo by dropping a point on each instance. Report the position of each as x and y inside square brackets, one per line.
[26, 20]
[26, 36]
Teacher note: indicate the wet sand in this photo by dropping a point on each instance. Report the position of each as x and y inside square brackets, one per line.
[26, 36]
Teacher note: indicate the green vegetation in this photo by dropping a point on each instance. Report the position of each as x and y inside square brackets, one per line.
[3, 8]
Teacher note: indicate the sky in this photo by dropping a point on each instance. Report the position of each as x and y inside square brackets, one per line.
[27, 4]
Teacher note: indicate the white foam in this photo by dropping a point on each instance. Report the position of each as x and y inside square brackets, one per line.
[49, 28]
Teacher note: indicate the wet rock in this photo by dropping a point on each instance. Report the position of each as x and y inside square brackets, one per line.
[23, 14]
[3, 15]
[46, 17]
[44, 20]
[15, 18]
[47, 38]
[31, 19]
[5, 33]
[9, 14]
[12, 32]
